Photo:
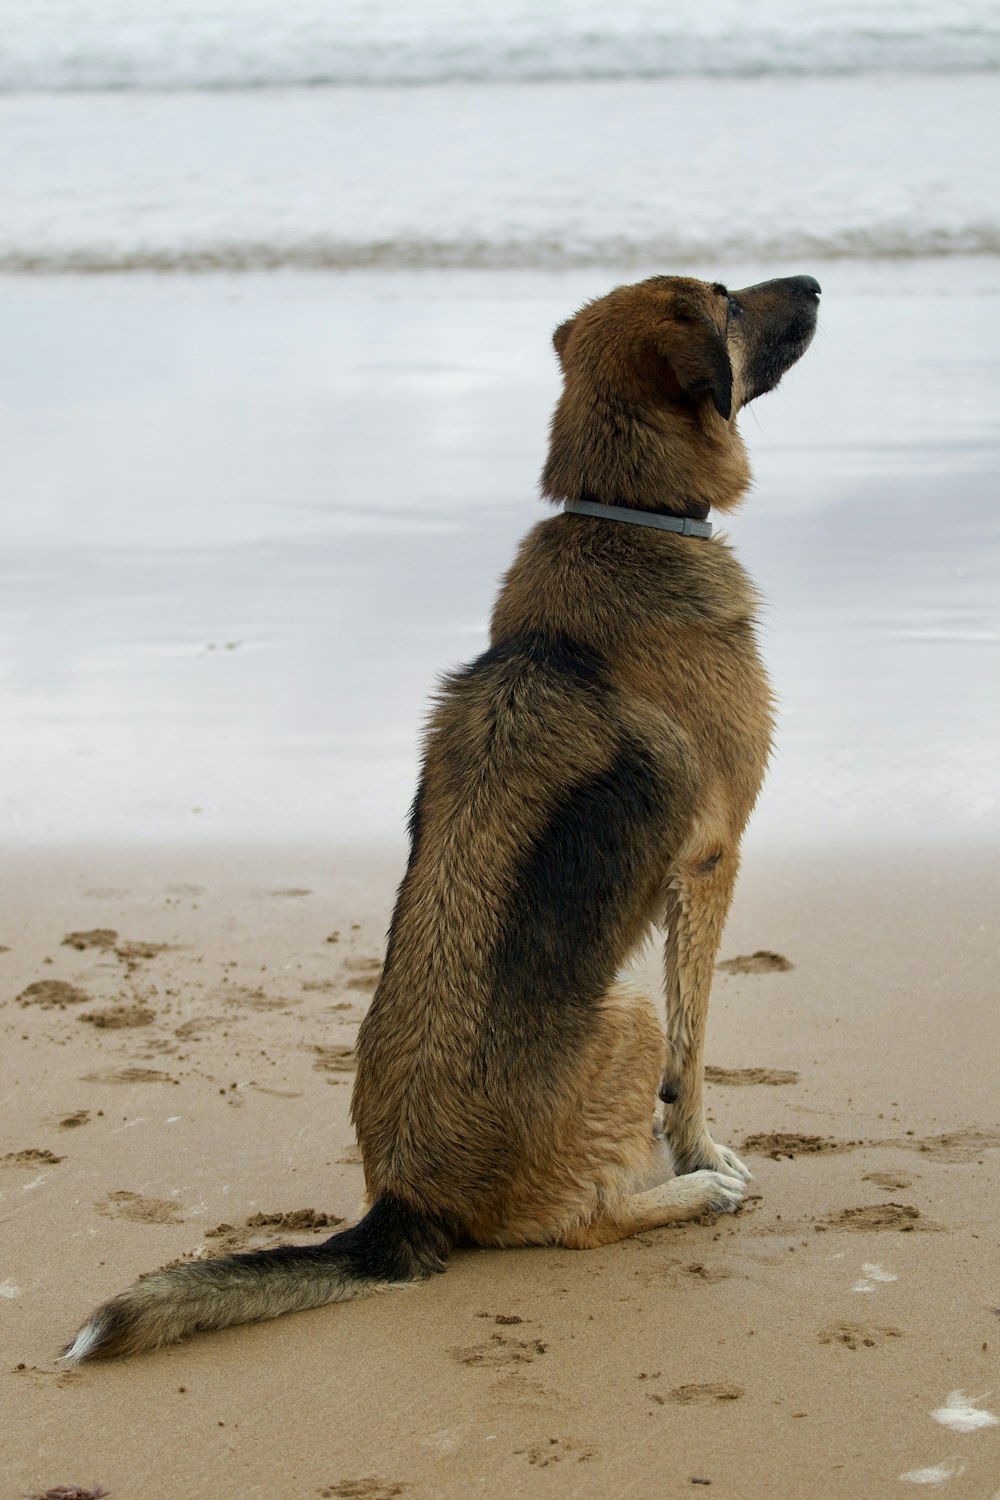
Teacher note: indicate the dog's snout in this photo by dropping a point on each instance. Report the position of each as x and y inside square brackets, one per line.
[784, 288]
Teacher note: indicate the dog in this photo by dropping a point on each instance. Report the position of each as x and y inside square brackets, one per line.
[588, 777]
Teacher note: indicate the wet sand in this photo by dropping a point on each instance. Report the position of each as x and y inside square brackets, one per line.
[176, 1080]
[248, 522]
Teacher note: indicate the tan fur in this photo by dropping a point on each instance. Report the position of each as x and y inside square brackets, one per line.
[588, 776]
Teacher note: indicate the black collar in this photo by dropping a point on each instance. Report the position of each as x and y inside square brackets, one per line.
[685, 525]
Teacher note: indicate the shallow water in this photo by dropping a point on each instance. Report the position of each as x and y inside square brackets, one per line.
[506, 174]
[77, 45]
[249, 520]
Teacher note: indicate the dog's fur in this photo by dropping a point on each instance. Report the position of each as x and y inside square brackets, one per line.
[589, 775]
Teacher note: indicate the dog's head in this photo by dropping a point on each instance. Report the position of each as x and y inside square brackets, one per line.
[654, 375]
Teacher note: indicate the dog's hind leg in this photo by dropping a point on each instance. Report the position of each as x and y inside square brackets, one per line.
[672, 1202]
[577, 1185]
[699, 896]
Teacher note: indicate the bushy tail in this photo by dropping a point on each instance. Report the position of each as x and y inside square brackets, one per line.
[393, 1243]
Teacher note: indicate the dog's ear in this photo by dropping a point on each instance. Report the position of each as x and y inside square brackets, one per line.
[561, 337]
[696, 353]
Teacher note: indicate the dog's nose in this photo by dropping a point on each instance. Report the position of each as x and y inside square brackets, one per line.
[806, 284]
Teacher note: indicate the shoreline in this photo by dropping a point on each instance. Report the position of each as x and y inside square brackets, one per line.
[744, 1351]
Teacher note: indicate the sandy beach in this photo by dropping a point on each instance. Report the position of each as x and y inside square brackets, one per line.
[177, 1078]
[224, 604]
[277, 283]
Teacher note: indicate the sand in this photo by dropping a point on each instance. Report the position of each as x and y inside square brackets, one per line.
[188, 1094]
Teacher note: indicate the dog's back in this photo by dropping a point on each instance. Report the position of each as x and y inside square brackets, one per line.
[563, 772]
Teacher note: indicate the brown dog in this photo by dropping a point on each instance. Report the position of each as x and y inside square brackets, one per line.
[589, 775]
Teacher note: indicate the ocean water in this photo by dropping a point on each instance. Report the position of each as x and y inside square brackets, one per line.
[121, 44]
[277, 282]
[255, 133]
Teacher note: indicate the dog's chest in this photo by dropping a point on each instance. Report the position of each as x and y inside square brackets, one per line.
[701, 690]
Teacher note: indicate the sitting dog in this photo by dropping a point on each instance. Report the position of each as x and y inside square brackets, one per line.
[589, 775]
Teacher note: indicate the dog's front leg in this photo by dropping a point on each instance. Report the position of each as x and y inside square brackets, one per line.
[698, 901]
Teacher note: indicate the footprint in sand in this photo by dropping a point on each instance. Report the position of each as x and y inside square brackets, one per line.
[101, 938]
[901, 1216]
[115, 1017]
[499, 1350]
[956, 1145]
[362, 1489]
[857, 1335]
[777, 1144]
[106, 940]
[335, 1059]
[128, 1075]
[132, 952]
[554, 1451]
[140, 1210]
[295, 1220]
[761, 962]
[672, 1271]
[32, 1156]
[743, 1077]
[890, 1182]
[52, 994]
[364, 974]
[360, 974]
[263, 1231]
[69, 1491]
[707, 1393]
[251, 999]
[194, 1029]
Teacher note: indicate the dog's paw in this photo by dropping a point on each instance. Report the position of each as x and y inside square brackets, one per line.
[730, 1164]
[718, 1192]
[706, 1156]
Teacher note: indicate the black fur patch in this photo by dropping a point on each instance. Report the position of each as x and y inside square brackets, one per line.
[572, 910]
[555, 653]
[393, 1242]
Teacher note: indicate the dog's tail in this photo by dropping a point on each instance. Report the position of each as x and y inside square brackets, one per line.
[393, 1244]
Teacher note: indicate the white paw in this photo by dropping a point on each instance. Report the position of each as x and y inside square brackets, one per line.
[717, 1192]
[706, 1156]
[730, 1164]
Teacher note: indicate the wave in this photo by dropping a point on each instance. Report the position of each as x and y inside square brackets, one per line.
[542, 253]
[101, 45]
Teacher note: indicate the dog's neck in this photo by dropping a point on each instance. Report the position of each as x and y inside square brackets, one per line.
[623, 453]
[689, 510]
